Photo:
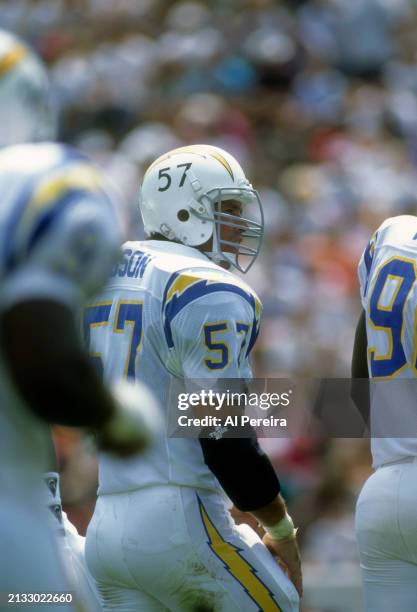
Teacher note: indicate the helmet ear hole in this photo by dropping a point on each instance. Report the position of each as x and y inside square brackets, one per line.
[183, 215]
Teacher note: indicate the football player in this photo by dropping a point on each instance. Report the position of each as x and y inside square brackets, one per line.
[384, 351]
[162, 537]
[60, 233]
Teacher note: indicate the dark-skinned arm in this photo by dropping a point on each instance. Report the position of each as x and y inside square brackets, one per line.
[46, 361]
[359, 370]
[43, 353]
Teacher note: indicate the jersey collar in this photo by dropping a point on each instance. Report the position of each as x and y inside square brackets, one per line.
[177, 248]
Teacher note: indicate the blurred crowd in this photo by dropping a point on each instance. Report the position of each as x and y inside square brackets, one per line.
[318, 101]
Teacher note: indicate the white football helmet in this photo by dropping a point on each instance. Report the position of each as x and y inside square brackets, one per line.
[181, 197]
[25, 99]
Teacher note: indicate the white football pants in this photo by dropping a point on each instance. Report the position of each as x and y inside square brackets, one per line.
[70, 544]
[169, 548]
[29, 558]
[386, 530]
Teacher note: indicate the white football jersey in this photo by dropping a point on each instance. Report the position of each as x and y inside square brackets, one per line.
[169, 315]
[59, 238]
[388, 285]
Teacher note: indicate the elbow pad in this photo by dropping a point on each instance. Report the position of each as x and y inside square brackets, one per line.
[243, 470]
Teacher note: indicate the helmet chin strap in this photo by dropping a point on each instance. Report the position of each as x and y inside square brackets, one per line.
[216, 254]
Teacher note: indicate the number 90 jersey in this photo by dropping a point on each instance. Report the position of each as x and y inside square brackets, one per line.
[59, 238]
[388, 285]
[168, 316]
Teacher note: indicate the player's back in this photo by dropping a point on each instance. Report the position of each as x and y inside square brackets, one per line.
[388, 278]
[133, 330]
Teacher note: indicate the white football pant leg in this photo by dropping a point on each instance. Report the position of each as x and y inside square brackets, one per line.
[386, 530]
[74, 559]
[29, 559]
[183, 551]
[70, 544]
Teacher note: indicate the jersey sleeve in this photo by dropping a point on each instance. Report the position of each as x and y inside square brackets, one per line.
[68, 253]
[212, 328]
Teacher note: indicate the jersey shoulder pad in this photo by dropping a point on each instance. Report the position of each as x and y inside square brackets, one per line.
[396, 231]
[46, 197]
[188, 286]
[185, 286]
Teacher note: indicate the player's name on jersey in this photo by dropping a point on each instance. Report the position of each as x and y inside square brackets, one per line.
[133, 264]
[240, 420]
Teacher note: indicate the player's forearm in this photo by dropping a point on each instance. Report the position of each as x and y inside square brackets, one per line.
[66, 392]
[359, 391]
[243, 470]
[359, 365]
[49, 368]
[272, 513]
[277, 523]
[77, 397]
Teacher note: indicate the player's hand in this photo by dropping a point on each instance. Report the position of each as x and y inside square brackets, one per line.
[289, 555]
[136, 423]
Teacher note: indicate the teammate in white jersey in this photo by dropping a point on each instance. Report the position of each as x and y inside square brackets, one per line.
[59, 237]
[162, 537]
[386, 518]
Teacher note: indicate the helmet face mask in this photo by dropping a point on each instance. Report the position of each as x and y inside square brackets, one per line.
[200, 197]
[241, 251]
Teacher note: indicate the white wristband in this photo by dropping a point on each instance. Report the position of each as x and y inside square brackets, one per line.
[284, 530]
